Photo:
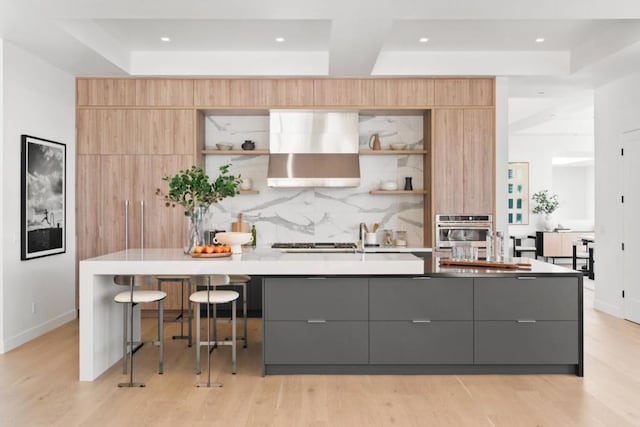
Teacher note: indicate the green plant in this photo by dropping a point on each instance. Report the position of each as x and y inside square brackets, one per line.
[191, 188]
[545, 203]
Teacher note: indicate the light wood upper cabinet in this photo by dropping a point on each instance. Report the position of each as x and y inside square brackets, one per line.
[105, 131]
[105, 92]
[463, 92]
[164, 92]
[447, 152]
[252, 92]
[343, 92]
[293, 92]
[403, 92]
[478, 162]
[164, 132]
[212, 93]
[463, 161]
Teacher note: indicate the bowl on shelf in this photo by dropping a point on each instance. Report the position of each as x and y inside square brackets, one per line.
[224, 147]
[398, 146]
[388, 185]
[234, 239]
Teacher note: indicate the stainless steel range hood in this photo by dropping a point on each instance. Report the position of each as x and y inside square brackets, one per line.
[313, 149]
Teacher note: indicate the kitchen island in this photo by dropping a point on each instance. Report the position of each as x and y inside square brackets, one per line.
[367, 313]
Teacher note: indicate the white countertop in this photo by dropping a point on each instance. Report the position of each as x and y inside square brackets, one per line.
[260, 261]
[396, 249]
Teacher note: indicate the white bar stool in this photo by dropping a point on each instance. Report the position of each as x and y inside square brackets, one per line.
[129, 299]
[180, 318]
[214, 297]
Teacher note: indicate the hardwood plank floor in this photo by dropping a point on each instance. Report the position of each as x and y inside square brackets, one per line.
[39, 386]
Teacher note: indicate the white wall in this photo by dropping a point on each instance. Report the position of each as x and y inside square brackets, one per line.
[539, 151]
[616, 110]
[39, 100]
[1, 195]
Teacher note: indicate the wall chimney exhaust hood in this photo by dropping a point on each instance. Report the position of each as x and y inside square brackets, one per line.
[313, 149]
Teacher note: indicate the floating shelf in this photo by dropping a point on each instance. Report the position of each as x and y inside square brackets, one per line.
[391, 152]
[236, 152]
[389, 192]
[242, 192]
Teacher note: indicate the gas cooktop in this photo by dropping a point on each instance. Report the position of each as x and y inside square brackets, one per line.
[315, 247]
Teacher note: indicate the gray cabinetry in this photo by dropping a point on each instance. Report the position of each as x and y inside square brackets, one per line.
[421, 298]
[526, 298]
[327, 343]
[421, 321]
[405, 342]
[316, 321]
[512, 343]
[527, 320]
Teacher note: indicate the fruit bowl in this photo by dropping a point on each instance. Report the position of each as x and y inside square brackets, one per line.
[234, 239]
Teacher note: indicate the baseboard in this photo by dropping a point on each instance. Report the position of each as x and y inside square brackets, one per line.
[26, 336]
[611, 309]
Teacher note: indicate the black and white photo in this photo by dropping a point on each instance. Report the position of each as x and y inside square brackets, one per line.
[43, 193]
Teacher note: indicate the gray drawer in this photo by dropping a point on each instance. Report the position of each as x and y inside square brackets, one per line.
[302, 343]
[432, 299]
[404, 342]
[540, 298]
[526, 343]
[305, 298]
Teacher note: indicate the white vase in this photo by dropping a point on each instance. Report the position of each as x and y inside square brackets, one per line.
[549, 224]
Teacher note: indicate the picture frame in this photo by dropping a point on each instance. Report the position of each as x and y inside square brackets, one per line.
[43, 204]
[518, 193]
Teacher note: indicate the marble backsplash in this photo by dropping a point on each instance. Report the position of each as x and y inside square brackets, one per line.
[320, 214]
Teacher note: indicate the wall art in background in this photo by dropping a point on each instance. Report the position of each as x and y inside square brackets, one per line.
[43, 198]
[518, 193]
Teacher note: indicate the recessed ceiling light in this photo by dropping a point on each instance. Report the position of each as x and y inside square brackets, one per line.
[540, 40]
[280, 39]
[165, 39]
[423, 39]
[540, 93]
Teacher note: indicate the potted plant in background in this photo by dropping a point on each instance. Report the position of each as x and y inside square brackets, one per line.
[546, 204]
[195, 192]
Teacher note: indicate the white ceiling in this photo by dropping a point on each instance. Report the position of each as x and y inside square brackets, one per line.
[491, 35]
[219, 35]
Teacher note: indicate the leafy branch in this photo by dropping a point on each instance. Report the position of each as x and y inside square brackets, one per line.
[545, 203]
[191, 188]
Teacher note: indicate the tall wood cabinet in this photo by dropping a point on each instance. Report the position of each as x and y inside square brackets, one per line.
[463, 161]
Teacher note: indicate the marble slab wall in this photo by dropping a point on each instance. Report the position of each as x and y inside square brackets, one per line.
[320, 214]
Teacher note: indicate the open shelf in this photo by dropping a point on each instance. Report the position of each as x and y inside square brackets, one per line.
[236, 152]
[243, 192]
[389, 192]
[391, 152]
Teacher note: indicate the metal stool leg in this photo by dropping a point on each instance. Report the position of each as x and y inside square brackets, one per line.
[244, 312]
[125, 353]
[233, 337]
[161, 335]
[209, 383]
[198, 339]
[190, 315]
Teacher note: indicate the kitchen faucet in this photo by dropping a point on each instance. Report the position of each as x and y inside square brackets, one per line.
[363, 230]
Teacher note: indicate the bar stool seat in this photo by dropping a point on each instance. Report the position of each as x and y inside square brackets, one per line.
[213, 297]
[140, 296]
[129, 299]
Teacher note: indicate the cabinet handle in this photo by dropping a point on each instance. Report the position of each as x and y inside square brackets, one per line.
[526, 278]
[421, 321]
[316, 278]
[141, 224]
[126, 225]
[422, 278]
[526, 321]
[316, 321]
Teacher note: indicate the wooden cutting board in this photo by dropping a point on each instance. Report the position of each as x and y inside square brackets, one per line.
[240, 226]
[491, 264]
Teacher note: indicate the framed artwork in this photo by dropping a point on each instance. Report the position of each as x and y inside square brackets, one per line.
[43, 198]
[518, 193]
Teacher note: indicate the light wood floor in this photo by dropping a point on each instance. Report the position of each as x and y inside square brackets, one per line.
[39, 386]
